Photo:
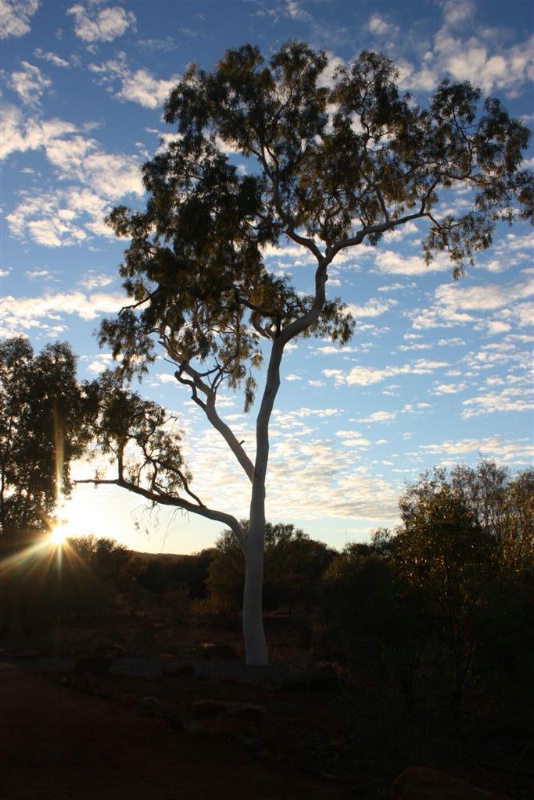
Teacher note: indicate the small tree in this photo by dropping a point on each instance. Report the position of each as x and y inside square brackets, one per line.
[466, 548]
[45, 417]
[328, 167]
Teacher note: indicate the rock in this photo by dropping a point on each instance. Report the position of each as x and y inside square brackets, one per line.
[148, 705]
[217, 716]
[418, 783]
[221, 652]
[311, 679]
[23, 654]
[263, 755]
[111, 649]
[96, 665]
[85, 682]
[179, 670]
[174, 720]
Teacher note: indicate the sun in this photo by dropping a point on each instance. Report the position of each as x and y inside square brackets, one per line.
[59, 534]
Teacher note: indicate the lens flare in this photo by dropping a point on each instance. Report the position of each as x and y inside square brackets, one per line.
[59, 534]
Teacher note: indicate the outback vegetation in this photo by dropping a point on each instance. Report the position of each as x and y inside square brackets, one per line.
[442, 604]
[46, 418]
[424, 636]
[331, 164]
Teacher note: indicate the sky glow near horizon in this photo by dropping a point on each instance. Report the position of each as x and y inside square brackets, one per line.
[438, 373]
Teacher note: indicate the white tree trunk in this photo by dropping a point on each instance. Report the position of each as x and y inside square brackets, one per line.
[253, 632]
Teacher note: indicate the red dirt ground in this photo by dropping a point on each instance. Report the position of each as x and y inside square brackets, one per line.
[59, 743]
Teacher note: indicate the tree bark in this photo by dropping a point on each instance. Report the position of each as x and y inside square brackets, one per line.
[253, 630]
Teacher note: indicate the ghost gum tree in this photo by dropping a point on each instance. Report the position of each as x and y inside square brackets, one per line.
[329, 165]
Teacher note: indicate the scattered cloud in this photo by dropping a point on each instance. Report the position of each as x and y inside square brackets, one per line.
[102, 25]
[486, 447]
[29, 83]
[510, 399]
[465, 50]
[366, 376]
[379, 416]
[95, 281]
[373, 308]
[66, 215]
[37, 273]
[449, 388]
[52, 58]
[380, 26]
[392, 262]
[15, 17]
[48, 312]
[295, 11]
[21, 133]
[99, 363]
[457, 304]
[138, 87]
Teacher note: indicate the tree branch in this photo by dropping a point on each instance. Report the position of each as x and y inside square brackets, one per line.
[208, 407]
[173, 501]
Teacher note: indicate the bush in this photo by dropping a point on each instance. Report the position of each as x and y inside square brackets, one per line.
[42, 586]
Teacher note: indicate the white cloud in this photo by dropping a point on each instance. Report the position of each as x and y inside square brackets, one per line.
[393, 263]
[373, 308]
[101, 26]
[99, 363]
[457, 12]
[15, 17]
[21, 133]
[489, 447]
[353, 439]
[138, 87]
[366, 376]
[50, 220]
[295, 11]
[457, 304]
[93, 281]
[47, 312]
[29, 83]
[37, 273]
[380, 26]
[449, 388]
[52, 58]
[66, 215]
[510, 399]
[465, 50]
[379, 416]
[143, 88]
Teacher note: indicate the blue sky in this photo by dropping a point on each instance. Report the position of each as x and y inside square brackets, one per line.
[438, 372]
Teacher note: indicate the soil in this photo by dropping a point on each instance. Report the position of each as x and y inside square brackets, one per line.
[101, 738]
[120, 735]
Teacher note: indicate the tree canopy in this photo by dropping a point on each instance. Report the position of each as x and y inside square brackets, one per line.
[45, 417]
[267, 152]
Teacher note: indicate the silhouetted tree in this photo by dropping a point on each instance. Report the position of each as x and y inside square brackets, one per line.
[45, 422]
[466, 548]
[331, 164]
[294, 564]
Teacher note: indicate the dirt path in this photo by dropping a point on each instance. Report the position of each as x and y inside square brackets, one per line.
[57, 743]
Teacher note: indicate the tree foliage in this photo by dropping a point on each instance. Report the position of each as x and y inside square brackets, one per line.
[45, 422]
[327, 167]
[270, 152]
[449, 595]
[294, 564]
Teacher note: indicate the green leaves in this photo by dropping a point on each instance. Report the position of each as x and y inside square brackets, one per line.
[271, 150]
[45, 422]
